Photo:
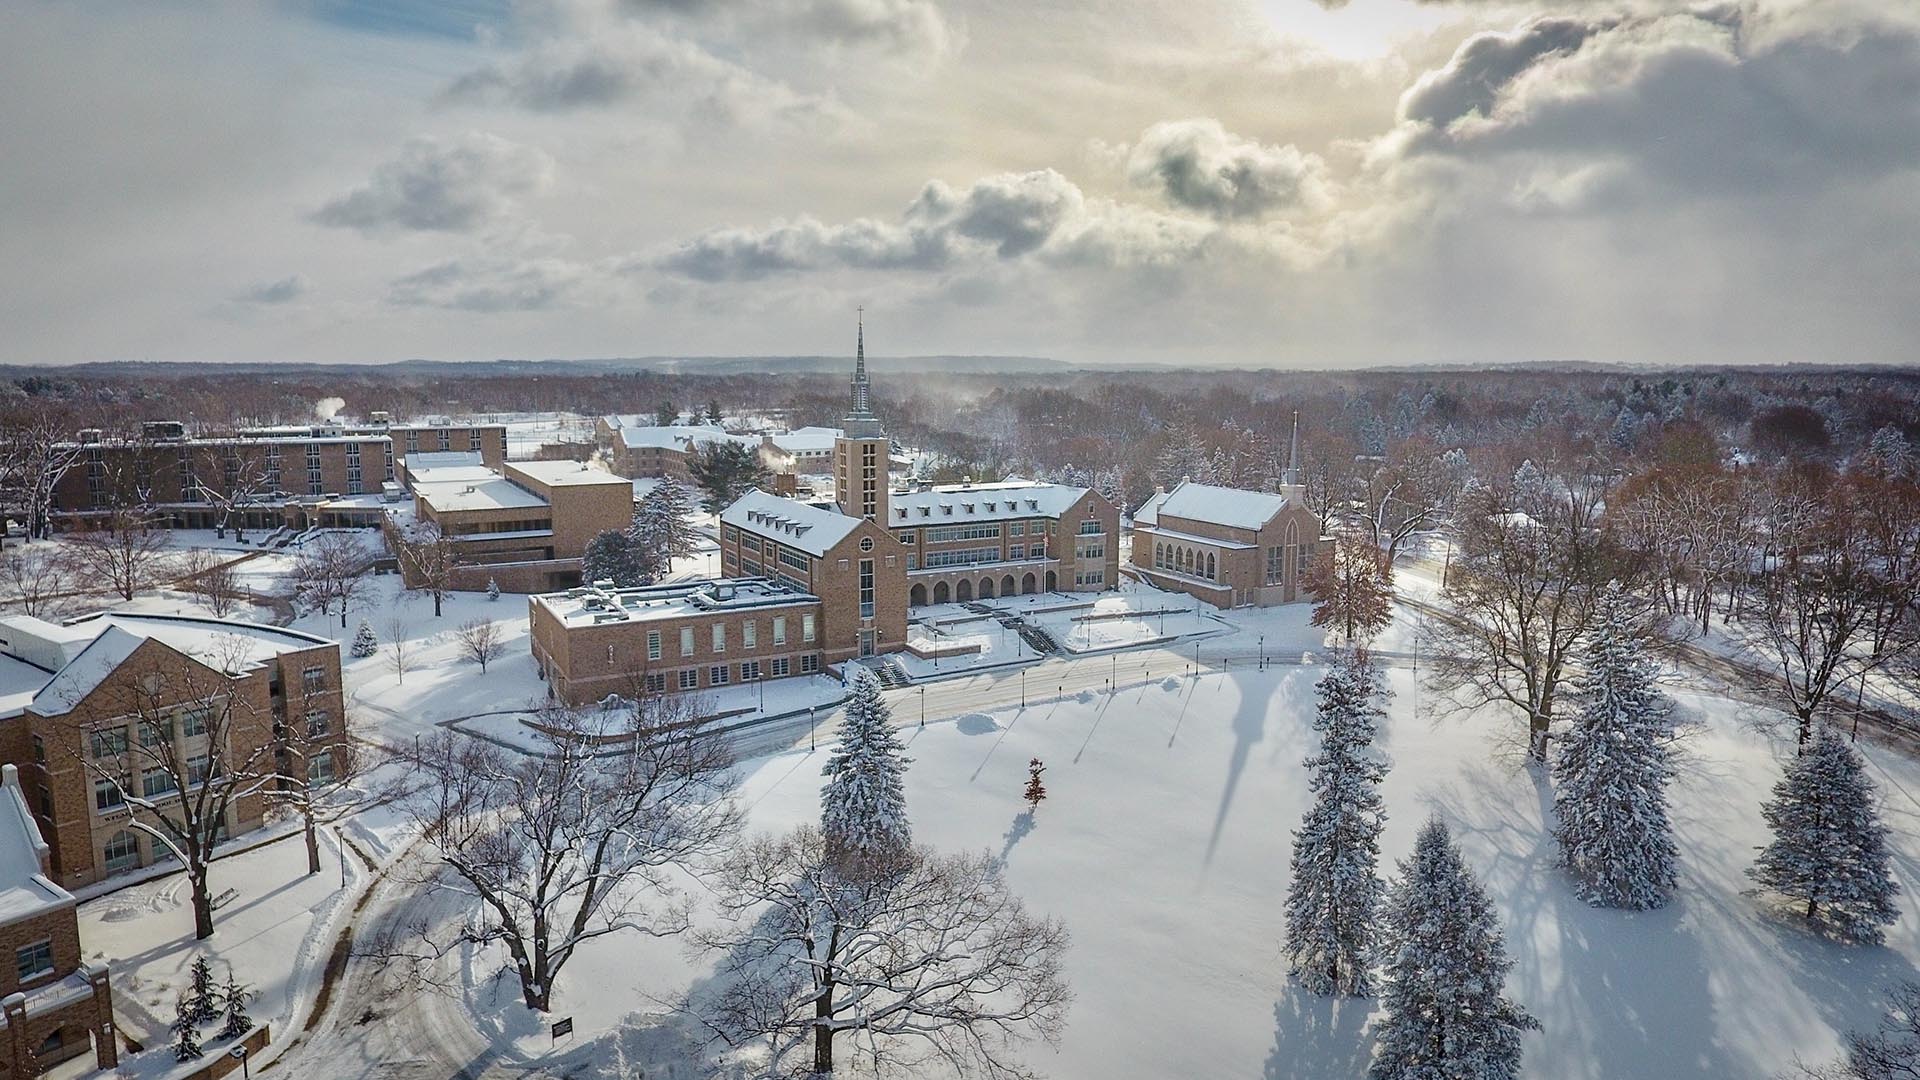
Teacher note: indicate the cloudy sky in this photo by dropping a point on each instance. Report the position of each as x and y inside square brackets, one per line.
[1245, 182]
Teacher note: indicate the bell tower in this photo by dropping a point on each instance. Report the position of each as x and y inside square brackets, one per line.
[860, 453]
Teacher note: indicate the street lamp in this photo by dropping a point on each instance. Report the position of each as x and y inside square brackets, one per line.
[923, 706]
[1023, 688]
[763, 689]
[810, 711]
[1263, 652]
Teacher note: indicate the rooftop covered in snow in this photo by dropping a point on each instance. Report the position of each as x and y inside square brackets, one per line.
[1003, 500]
[1227, 506]
[805, 528]
[598, 605]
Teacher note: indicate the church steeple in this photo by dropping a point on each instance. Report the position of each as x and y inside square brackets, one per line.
[862, 394]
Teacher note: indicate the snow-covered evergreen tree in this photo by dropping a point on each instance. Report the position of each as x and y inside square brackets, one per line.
[1446, 1017]
[365, 642]
[863, 807]
[493, 589]
[234, 997]
[1334, 898]
[204, 994]
[610, 556]
[186, 1029]
[660, 531]
[1829, 847]
[1611, 800]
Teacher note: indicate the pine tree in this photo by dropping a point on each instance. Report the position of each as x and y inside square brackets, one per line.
[186, 1030]
[863, 807]
[1829, 847]
[493, 589]
[365, 641]
[205, 995]
[609, 556]
[235, 996]
[660, 532]
[1445, 1015]
[1336, 889]
[1036, 791]
[1614, 766]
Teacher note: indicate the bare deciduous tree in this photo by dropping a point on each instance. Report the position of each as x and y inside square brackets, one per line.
[330, 573]
[480, 641]
[558, 848]
[231, 477]
[37, 579]
[314, 754]
[122, 549]
[1525, 586]
[428, 559]
[170, 740]
[39, 448]
[938, 959]
[399, 645]
[1352, 583]
[210, 578]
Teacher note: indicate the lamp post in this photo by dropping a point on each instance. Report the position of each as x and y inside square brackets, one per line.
[1263, 652]
[810, 712]
[763, 689]
[1023, 688]
[923, 706]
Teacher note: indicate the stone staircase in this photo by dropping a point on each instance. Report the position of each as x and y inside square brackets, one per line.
[887, 670]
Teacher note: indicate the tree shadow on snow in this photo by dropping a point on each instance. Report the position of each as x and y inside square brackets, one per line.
[1316, 1036]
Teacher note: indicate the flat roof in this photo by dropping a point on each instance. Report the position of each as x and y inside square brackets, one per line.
[494, 493]
[565, 473]
[597, 606]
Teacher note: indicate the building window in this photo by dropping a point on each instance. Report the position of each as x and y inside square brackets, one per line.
[111, 742]
[1276, 564]
[689, 679]
[749, 670]
[717, 675]
[779, 629]
[810, 663]
[320, 769]
[35, 960]
[686, 641]
[806, 627]
[910, 537]
[123, 851]
[1090, 528]
[656, 682]
[963, 532]
[314, 679]
[196, 720]
[1306, 560]
[317, 723]
[152, 734]
[107, 795]
[199, 766]
[913, 562]
[719, 637]
[866, 588]
[653, 644]
[749, 634]
[1017, 551]
[155, 783]
[778, 667]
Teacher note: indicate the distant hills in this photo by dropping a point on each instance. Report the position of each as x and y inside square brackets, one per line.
[665, 365]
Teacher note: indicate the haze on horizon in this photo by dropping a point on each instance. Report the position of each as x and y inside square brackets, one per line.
[1234, 182]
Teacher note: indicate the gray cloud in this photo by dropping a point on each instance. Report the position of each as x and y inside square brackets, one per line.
[1709, 101]
[1201, 166]
[899, 27]
[1484, 65]
[1007, 217]
[285, 290]
[443, 185]
[492, 284]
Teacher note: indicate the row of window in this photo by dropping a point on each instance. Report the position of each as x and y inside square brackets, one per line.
[723, 674]
[191, 721]
[749, 636]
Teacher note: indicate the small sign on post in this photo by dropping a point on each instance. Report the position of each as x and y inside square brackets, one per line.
[240, 1052]
[562, 1027]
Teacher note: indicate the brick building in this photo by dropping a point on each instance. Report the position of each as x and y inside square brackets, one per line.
[255, 478]
[53, 1004]
[524, 525]
[635, 447]
[977, 541]
[87, 693]
[1226, 546]
[701, 635]
[856, 568]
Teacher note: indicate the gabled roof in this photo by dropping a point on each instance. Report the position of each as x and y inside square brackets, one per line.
[1227, 506]
[25, 889]
[1003, 501]
[636, 436]
[795, 524]
[807, 439]
[1149, 512]
[73, 683]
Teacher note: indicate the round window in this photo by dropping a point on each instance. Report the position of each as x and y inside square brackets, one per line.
[866, 543]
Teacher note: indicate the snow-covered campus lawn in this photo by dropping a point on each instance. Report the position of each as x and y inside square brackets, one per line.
[1164, 845]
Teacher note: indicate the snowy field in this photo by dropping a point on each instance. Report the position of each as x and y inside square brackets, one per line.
[1164, 845]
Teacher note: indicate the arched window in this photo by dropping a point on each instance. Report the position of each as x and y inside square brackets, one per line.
[122, 851]
[1209, 566]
